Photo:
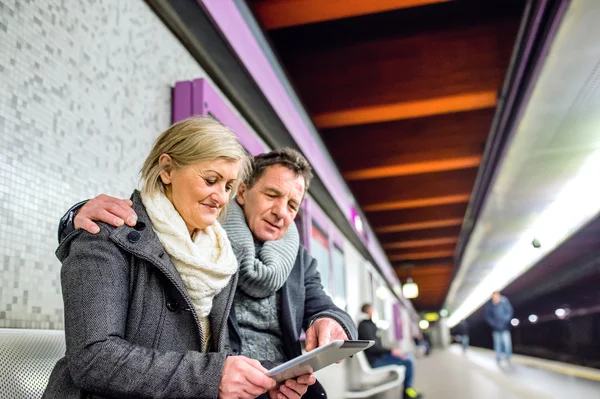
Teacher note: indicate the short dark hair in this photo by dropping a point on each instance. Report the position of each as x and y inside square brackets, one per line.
[287, 157]
[365, 308]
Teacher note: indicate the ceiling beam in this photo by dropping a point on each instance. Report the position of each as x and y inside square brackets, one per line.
[416, 168]
[434, 268]
[422, 255]
[433, 224]
[407, 110]
[417, 203]
[276, 14]
[421, 243]
[423, 264]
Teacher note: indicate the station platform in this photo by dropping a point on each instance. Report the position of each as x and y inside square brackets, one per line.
[450, 374]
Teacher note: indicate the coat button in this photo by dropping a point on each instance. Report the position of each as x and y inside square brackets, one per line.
[172, 305]
[134, 236]
[140, 226]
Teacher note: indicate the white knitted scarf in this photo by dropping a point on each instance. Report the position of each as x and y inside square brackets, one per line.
[205, 263]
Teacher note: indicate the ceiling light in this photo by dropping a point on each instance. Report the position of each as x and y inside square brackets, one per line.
[575, 204]
[443, 313]
[382, 292]
[432, 316]
[514, 322]
[533, 318]
[410, 290]
[560, 312]
[424, 324]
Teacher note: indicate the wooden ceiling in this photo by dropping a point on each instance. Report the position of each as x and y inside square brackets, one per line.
[403, 93]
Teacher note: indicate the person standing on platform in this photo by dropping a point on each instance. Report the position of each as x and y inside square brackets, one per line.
[498, 314]
[379, 356]
[463, 330]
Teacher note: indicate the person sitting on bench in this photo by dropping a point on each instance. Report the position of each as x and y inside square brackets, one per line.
[379, 356]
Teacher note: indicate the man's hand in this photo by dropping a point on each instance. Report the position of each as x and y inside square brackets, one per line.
[293, 389]
[244, 378]
[106, 209]
[398, 353]
[322, 332]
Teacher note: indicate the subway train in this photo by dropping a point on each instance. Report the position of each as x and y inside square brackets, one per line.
[456, 158]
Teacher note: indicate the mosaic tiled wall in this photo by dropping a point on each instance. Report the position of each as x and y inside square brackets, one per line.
[85, 87]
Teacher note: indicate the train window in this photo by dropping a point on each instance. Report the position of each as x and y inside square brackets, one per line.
[378, 301]
[339, 277]
[319, 248]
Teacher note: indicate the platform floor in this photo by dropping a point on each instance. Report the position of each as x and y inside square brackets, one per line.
[450, 374]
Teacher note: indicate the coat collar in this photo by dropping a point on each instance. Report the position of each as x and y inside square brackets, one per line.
[141, 241]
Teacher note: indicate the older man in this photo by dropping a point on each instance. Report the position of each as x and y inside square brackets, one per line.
[279, 290]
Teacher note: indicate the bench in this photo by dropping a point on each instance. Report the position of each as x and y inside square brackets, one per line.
[27, 358]
[365, 381]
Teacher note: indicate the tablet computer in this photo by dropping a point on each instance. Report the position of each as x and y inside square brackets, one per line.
[317, 359]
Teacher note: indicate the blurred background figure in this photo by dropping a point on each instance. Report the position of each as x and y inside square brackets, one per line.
[498, 314]
[422, 343]
[463, 330]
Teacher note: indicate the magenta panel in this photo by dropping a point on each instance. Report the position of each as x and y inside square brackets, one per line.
[182, 101]
[198, 97]
[397, 322]
[337, 238]
[207, 101]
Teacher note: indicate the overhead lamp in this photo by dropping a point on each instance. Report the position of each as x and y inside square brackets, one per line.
[410, 289]
[443, 313]
[432, 316]
[533, 318]
[423, 324]
[560, 313]
[576, 203]
[514, 322]
[382, 293]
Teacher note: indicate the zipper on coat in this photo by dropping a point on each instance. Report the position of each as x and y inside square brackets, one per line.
[185, 296]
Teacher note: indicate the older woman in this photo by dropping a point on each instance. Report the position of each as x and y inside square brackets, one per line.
[146, 306]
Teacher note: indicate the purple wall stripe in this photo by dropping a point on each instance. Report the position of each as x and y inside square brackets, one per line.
[319, 217]
[397, 322]
[182, 101]
[198, 97]
[212, 103]
[198, 105]
[337, 238]
[306, 222]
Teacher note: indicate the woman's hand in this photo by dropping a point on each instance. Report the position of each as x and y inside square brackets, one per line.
[244, 378]
[293, 389]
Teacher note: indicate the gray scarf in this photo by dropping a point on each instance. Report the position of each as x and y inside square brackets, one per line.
[262, 271]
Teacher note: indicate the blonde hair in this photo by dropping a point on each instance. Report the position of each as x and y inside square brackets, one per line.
[195, 139]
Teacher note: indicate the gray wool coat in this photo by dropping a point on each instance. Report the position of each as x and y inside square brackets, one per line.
[131, 329]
